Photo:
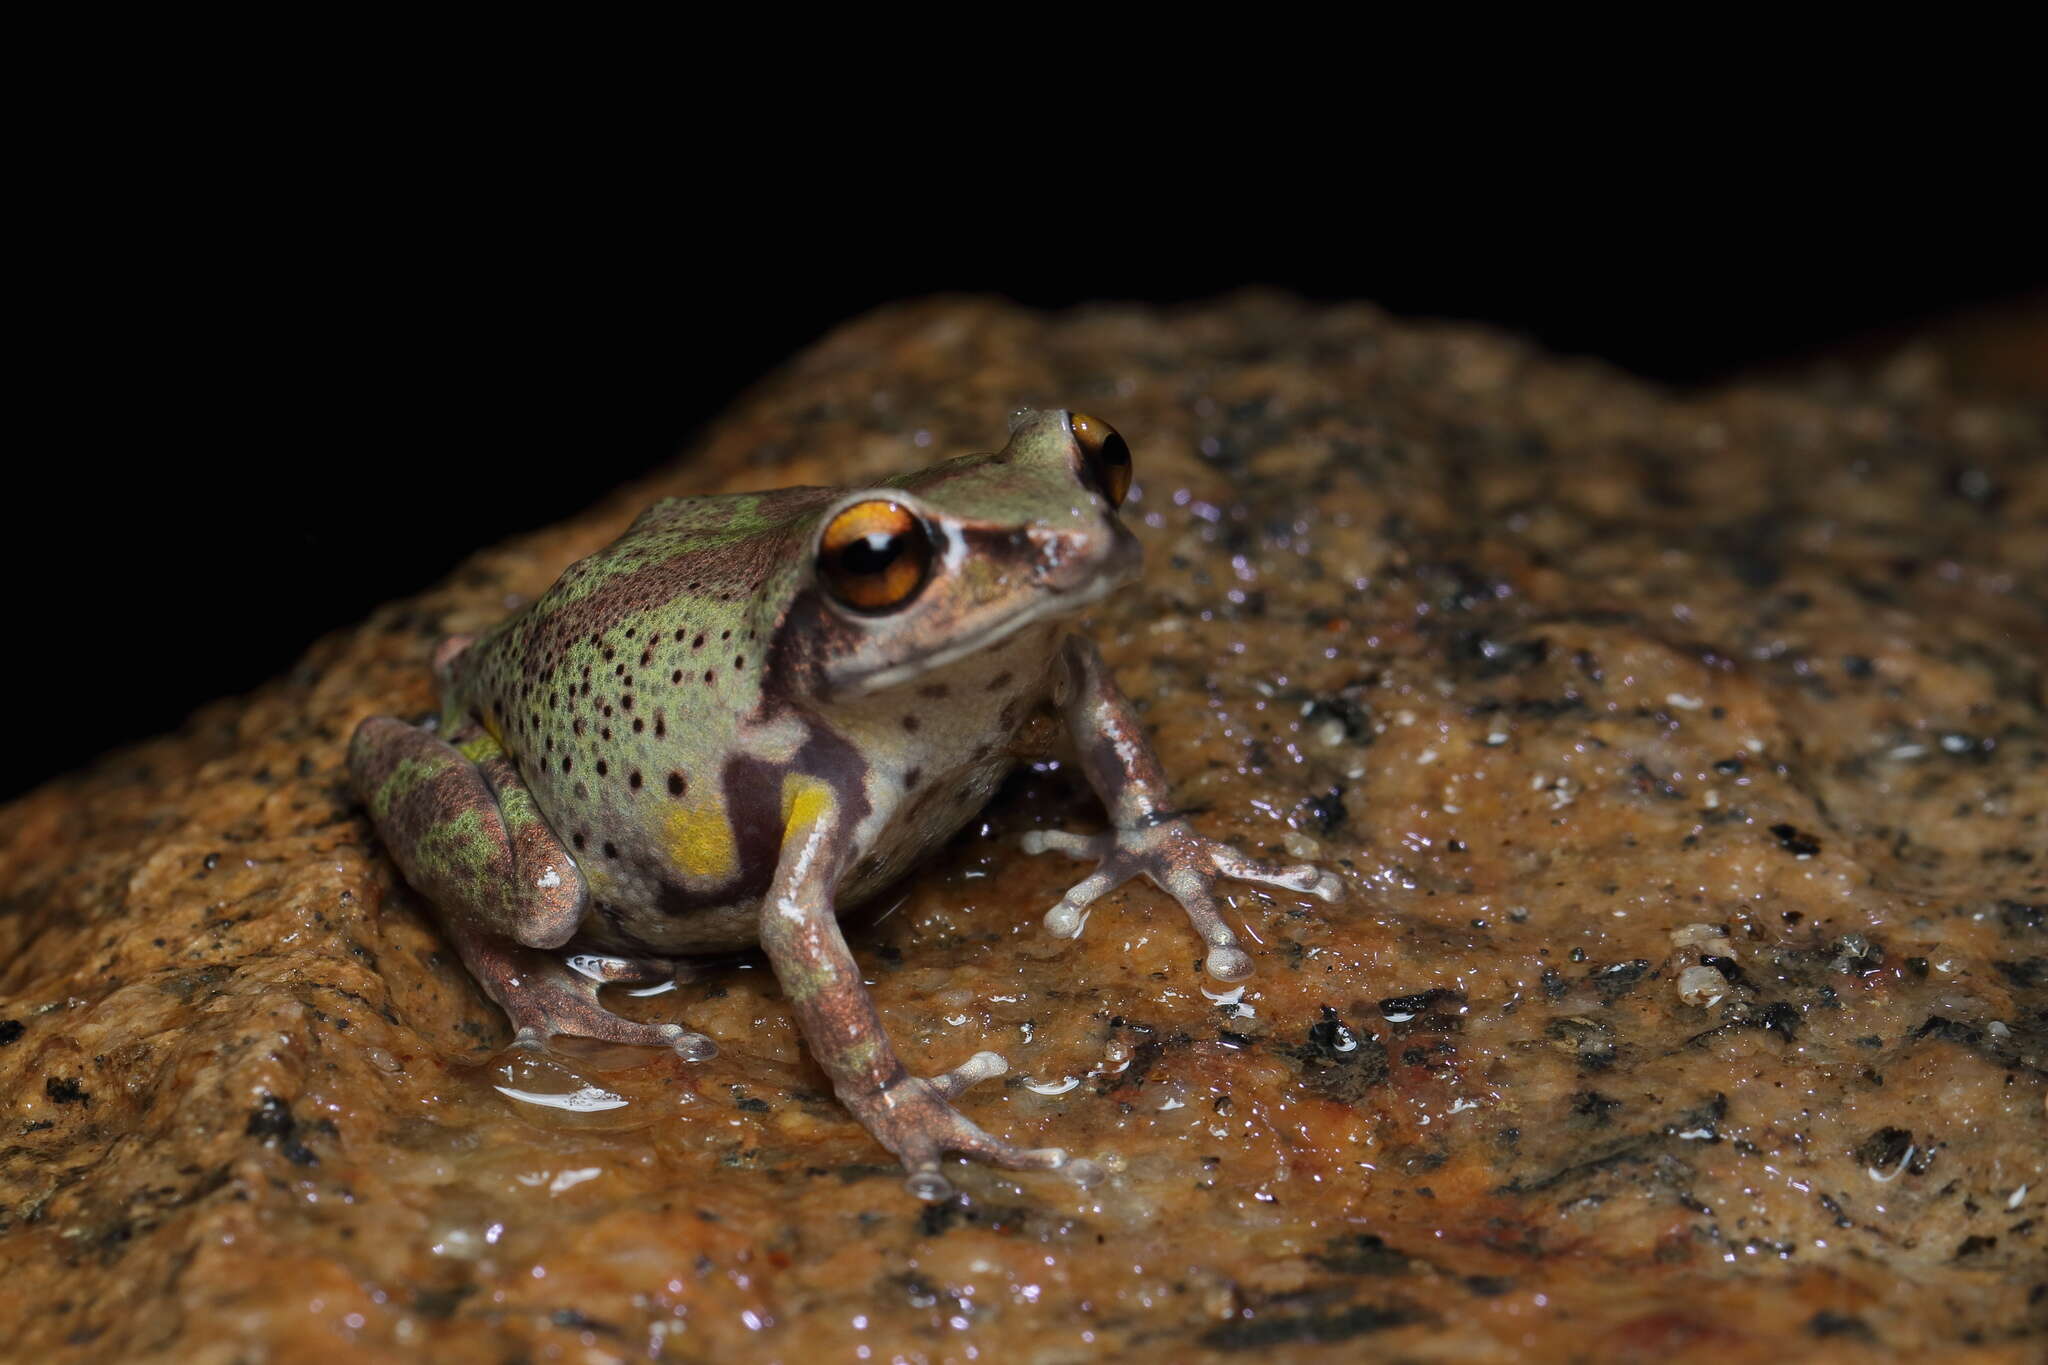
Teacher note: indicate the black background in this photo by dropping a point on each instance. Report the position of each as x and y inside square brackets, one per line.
[264, 401]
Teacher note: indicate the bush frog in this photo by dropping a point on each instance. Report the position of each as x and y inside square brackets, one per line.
[753, 711]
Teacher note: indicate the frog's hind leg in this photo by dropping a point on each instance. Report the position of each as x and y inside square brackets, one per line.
[639, 975]
[652, 974]
[465, 832]
[545, 996]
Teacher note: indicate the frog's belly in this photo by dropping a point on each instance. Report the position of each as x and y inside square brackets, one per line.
[656, 913]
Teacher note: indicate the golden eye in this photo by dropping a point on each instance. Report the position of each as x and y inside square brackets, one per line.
[1104, 456]
[874, 556]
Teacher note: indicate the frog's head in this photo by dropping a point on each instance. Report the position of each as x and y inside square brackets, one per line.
[928, 568]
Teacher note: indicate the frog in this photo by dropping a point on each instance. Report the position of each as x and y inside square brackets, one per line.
[755, 711]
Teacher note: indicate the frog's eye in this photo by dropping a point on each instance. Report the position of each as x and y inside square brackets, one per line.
[874, 556]
[1104, 456]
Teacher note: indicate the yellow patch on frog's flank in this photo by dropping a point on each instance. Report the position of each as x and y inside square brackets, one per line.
[700, 840]
[804, 799]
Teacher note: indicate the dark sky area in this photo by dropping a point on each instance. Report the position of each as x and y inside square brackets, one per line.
[268, 423]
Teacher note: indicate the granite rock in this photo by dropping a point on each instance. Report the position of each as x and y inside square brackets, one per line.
[1685, 757]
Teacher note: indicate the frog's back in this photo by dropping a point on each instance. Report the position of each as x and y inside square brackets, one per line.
[619, 692]
[686, 565]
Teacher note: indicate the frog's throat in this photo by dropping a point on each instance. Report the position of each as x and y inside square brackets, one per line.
[1049, 608]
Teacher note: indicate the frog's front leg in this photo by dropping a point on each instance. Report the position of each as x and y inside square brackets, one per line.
[910, 1115]
[1147, 837]
[463, 829]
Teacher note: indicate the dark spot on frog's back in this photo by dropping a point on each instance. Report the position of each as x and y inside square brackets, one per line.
[1000, 681]
[910, 724]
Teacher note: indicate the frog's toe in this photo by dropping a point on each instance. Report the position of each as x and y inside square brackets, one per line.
[914, 1119]
[1060, 841]
[1067, 919]
[1114, 867]
[925, 1181]
[1228, 963]
[1303, 877]
[535, 1025]
[982, 1066]
[927, 1184]
[692, 1047]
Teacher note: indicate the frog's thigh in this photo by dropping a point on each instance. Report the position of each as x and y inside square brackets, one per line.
[466, 833]
[468, 836]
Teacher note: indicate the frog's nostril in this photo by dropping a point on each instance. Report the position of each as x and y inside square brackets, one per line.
[1071, 559]
[1064, 558]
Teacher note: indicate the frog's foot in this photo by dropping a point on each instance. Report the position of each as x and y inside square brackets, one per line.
[545, 996]
[641, 975]
[1181, 863]
[913, 1117]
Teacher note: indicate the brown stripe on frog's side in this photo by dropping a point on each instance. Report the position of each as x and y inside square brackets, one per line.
[754, 791]
[809, 635]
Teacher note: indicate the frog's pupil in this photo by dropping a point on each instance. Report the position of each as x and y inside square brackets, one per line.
[1115, 454]
[872, 553]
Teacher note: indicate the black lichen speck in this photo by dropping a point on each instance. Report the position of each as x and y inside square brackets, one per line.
[2025, 974]
[64, 1090]
[1266, 1330]
[1830, 1324]
[272, 1122]
[1618, 979]
[1795, 840]
[1361, 1253]
[1885, 1148]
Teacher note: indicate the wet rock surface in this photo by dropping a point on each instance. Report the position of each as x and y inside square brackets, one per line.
[1685, 761]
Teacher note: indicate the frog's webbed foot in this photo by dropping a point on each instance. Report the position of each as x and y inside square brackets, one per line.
[1181, 863]
[913, 1117]
[545, 995]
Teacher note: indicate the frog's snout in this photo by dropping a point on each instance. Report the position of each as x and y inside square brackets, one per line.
[1070, 559]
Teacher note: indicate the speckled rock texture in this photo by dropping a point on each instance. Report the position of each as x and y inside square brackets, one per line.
[1685, 760]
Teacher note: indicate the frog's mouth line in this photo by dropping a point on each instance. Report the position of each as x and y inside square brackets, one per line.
[1053, 605]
